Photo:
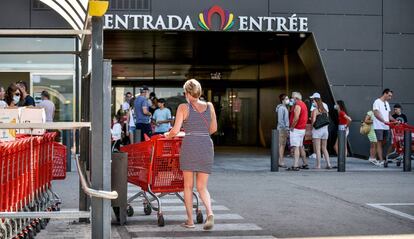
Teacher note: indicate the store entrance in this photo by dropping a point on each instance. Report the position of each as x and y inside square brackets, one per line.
[242, 74]
[237, 115]
[236, 110]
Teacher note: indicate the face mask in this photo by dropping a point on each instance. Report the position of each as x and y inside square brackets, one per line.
[336, 107]
[16, 99]
[292, 102]
[314, 104]
[286, 102]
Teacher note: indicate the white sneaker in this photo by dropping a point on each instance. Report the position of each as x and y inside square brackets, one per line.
[379, 164]
[373, 161]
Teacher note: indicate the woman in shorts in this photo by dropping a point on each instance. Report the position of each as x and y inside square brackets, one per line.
[320, 136]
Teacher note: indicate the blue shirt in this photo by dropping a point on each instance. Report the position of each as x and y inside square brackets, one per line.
[140, 102]
[161, 115]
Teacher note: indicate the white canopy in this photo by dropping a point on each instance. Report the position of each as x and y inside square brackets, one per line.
[75, 12]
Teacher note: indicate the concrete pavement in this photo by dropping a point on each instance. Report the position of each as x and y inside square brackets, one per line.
[253, 202]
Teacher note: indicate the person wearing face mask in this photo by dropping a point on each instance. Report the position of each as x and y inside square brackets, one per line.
[314, 105]
[3, 103]
[142, 113]
[297, 121]
[13, 95]
[282, 126]
[26, 99]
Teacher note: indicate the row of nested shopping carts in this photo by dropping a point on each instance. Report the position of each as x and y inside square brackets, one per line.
[27, 167]
[154, 166]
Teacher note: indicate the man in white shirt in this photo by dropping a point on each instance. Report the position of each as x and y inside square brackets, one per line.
[48, 105]
[382, 112]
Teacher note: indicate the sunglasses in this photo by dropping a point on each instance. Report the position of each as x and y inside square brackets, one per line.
[385, 105]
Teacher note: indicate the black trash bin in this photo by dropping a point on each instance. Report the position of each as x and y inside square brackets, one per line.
[119, 183]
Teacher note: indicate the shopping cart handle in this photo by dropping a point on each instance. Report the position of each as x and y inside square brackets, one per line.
[90, 191]
[48, 125]
[180, 134]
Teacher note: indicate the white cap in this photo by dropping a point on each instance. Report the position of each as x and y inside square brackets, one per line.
[315, 95]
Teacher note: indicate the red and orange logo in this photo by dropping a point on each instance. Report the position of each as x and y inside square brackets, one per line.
[227, 18]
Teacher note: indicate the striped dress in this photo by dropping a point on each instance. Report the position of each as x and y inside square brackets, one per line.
[197, 149]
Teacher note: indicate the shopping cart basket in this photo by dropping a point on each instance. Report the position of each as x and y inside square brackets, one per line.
[154, 166]
[397, 131]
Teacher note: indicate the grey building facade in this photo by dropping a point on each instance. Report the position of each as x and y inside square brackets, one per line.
[363, 46]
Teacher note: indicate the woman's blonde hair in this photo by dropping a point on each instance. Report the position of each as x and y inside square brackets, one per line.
[193, 87]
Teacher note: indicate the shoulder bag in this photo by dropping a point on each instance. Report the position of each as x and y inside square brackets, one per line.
[322, 120]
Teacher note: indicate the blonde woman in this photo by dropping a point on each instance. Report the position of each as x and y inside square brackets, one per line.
[197, 150]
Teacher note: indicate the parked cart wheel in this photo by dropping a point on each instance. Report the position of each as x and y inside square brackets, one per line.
[38, 227]
[130, 211]
[2, 233]
[161, 221]
[43, 224]
[147, 209]
[398, 163]
[385, 164]
[31, 234]
[199, 216]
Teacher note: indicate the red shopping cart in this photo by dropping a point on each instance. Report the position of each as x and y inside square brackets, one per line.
[397, 132]
[154, 166]
[26, 172]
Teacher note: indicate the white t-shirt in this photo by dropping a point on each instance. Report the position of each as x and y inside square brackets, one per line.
[125, 106]
[49, 109]
[116, 131]
[384, 109]
[131, 117]
[3, 104]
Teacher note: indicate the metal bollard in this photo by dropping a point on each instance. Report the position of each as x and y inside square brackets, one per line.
[274, 158]
[341, 150]
[119, 183]
[407, 151]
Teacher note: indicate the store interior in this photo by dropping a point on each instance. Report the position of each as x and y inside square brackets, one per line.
[242, 74]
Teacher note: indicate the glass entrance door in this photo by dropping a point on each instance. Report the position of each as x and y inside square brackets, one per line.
[236, 110]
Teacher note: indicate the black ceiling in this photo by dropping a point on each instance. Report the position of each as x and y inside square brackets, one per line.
[175, 55]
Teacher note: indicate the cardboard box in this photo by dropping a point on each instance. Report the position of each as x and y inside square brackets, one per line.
[32, 115]
[9, 115]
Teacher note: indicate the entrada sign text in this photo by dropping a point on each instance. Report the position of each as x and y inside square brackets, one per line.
[227, 22]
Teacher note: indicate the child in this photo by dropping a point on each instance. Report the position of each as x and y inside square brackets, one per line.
[116, 132]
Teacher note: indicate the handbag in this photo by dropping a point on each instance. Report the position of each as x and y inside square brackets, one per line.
[321, 120]
[365, 128]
